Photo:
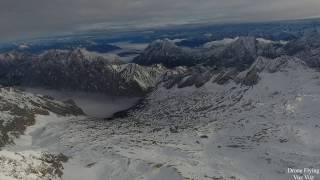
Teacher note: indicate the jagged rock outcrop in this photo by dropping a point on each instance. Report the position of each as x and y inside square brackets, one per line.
[251, 77]
[18, 111]
[306, 48]
[200, 75]
[167, 53]
[31, 165]
[77, 70]
[239, 53]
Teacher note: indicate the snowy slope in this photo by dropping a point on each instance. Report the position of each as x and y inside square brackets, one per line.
[30, 165]
[217, 131]
[19, 111]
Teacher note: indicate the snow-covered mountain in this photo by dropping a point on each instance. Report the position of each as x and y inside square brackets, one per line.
[248, 125]
[18, 111]
[238, 53]
[87, 71]
[307, 48]
[239, 109]
[78, 70]
[241, 52]
[217, 131]
[166, 52]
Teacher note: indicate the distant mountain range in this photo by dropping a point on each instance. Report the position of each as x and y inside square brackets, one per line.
[222, 102]
[93, 72]
[239, 52]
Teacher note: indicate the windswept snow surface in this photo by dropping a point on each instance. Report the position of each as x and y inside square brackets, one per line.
[225, 131]
[24, 165]
[18, 160]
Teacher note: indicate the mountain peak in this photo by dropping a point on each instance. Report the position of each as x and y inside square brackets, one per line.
[280, 63]
[166, 52]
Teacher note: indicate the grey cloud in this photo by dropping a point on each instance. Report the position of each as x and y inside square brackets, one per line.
[30, 18]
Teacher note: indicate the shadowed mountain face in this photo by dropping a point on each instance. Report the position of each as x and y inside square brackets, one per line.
[238, 53]
[75, 70]
[169, 54]
[242, 52]
[307, 48]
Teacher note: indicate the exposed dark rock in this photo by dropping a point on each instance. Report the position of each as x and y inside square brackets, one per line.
[19, 112]
[252, 78]
[76, 70]
[239, 54]
[307, 48]
[167, 53]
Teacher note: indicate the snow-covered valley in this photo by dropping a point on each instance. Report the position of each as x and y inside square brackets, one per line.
[217, 131]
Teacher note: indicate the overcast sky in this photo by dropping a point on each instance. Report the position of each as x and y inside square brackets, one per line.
[31, 18]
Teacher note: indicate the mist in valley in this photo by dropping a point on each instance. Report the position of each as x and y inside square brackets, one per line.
[93, 104]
